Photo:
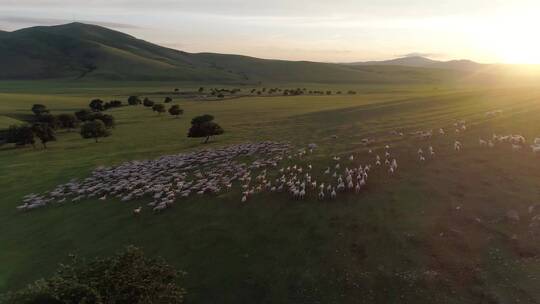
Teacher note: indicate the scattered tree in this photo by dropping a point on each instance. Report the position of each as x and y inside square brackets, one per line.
[201, 89]
[67, 121]
[21, 135]
[127, 277]
[108, 120]
[94, 129]
[39, 109]
[167, 99]
[97, 105]
[44, 132]
[147, 102]
[175, 111]
[49, 119]
[159, 108]
[134, 100]
[83, 115]
[204, 126]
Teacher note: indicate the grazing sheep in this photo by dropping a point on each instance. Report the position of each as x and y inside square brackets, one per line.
[137, 211]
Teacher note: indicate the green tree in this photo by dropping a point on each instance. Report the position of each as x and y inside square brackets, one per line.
[51, 120]
[21, 135]
[97, 105]
[167, 99]
[175, 111]
[68, 121]
[204, 126]
[159, 108]
[44, 132]
[148, 103]
[94, 129]
[128, 277]
[108, 120]
[83, 115]
[39, 109]
[134, 100]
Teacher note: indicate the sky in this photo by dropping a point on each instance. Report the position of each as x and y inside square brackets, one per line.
[319, 30]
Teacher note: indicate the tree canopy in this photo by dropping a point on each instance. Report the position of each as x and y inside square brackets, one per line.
[158, 107]
[44, 132]
[175, 110]
[94, 129]
[97, 105]
[39, 109]
[204, 126]
[134, 100]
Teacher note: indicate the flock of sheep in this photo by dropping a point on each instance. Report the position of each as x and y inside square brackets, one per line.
[170, 178]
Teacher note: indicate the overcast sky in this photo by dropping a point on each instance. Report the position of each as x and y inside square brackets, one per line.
[321, 30]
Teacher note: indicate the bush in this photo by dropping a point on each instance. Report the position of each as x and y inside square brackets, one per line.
[129, 277]
[167, 100]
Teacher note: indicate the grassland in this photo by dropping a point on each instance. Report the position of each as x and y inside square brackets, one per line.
[434, 233]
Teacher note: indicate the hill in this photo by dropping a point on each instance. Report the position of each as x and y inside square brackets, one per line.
[418, 61]
[82, 51]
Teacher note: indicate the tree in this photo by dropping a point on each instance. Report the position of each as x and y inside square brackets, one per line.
[94, 129]
[204, 126]
[159, 108]
[83, 115]
[20, 135]
[175, 111]
[201, 89]
[44, 132]
[126, 277]
[147, 102]
[134, 100]
[108, 120]
[112, 104]
[167, 99]
[49, 119]
[97, 105]
[67, 121]
[39, 109]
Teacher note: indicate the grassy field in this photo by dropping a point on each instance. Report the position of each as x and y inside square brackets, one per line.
[435, 232]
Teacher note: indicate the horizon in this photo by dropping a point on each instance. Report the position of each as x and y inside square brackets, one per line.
[494, 32]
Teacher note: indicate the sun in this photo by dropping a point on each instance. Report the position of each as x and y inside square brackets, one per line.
[512, 40]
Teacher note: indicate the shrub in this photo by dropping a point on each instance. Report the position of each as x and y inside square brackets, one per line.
[83, 115]
[44, 132]
[67, 121]
[127, 277]
[159, 108]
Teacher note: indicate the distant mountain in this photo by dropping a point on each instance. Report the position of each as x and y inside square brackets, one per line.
[423, 62]
[83, 51]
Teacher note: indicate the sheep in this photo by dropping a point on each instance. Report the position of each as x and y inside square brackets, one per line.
[137, 211]
[536, 149]
[457, 146]
[351, 158]
[321, 195]
[333, 194]
[482, 142]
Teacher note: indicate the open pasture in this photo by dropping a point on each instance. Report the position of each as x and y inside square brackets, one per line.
[444, 229]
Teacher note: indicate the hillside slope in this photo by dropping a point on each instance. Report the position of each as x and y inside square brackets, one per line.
[418, 61]
[82, 51]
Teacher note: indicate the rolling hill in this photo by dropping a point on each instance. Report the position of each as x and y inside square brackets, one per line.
[83, 51]
[423, 62]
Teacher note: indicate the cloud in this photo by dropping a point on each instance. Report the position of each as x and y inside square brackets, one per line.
[18, 20]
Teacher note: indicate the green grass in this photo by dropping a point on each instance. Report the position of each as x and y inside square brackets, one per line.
[402, 241]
